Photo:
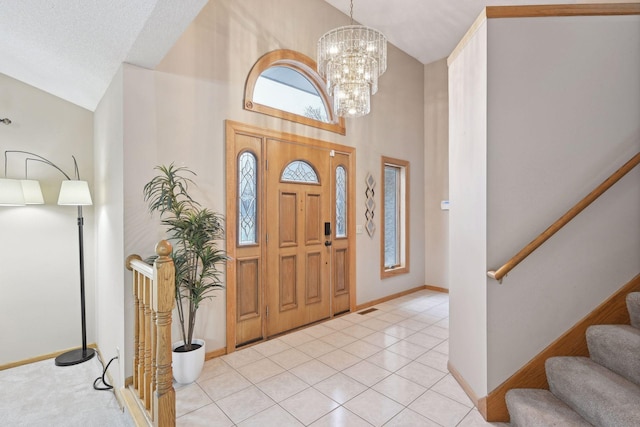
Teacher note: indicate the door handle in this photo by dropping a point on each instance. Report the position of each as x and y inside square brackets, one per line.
[327, 242]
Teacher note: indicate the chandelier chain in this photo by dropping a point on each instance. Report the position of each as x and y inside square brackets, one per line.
[351, 12]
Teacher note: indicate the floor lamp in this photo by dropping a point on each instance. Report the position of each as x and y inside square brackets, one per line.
[73, 192]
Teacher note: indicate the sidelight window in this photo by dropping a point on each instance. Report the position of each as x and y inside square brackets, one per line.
[248, 198]
[341, 202]
[395, 221]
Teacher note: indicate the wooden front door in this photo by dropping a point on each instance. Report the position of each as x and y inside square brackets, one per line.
[290, 232]
[298, 261]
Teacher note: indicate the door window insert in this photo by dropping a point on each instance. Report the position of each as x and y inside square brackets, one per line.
[299, 171]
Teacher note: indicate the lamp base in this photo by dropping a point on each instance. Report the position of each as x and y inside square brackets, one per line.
[74, 357]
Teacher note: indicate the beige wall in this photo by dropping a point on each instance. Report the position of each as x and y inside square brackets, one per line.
[436, 173]
[125, 136]
[564, 109]
[554, 115]
[108, 147]
[468, 212]
[39, 269]
[200, 84]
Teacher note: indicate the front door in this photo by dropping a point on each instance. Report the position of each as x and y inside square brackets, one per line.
[290, 232]
[298, 252]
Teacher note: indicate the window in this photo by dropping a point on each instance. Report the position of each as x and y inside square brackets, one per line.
[395, 217]
[341, 202]
[289, 90]
[285, 84]
[299, 171]
[248, 197]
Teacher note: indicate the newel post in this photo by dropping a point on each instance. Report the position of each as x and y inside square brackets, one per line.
[164, 405]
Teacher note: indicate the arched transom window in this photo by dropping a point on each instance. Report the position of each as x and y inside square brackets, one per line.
[284, 83]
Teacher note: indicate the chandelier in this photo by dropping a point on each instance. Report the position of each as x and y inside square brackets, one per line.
[351, 58]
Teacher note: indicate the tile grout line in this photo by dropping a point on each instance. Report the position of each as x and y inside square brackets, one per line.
[359, 336]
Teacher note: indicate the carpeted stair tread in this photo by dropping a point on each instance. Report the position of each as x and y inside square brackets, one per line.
[529, 407]
[633, 305]
[616, 347]
[599, 395]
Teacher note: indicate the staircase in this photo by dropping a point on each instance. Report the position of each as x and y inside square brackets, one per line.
[600, 390]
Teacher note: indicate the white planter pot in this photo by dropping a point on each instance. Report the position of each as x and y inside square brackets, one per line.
[187, 365]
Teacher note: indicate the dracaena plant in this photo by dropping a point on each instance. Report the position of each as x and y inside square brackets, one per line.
[194, 232]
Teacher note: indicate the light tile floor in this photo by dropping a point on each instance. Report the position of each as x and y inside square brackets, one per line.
[387, 367]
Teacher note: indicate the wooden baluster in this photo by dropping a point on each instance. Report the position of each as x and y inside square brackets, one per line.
[163, 302]
[147, 343]
[136, 330]
[154, 350]
[141, 338]
[137, 277]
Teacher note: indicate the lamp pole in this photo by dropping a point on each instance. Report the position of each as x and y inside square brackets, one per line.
[78, 196]
[73, 357]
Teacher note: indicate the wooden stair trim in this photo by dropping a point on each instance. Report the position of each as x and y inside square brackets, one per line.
[548, 10]
[571, 343]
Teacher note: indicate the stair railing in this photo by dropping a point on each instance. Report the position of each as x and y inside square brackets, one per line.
[154, 299]
[564, 219]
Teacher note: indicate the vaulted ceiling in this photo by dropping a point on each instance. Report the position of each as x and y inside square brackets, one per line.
[72, 48]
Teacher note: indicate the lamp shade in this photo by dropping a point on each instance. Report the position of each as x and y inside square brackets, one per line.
[32, 192]
[11, 192]
[75, 193]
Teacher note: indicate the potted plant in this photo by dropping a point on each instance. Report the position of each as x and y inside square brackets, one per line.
[193, 232]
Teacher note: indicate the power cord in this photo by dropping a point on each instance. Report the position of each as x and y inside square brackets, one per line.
[102, 378]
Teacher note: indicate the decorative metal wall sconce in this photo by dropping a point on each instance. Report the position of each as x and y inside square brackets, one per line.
[370, 205]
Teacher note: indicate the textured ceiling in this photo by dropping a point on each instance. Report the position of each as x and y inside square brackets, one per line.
[73, 48]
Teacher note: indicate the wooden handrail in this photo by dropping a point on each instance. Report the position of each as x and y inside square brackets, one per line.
[134, 262]
[152, 390]
[564, 219]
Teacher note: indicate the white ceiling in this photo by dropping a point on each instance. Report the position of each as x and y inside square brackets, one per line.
[72, 48]
[428, 30]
